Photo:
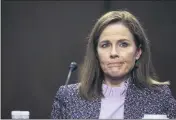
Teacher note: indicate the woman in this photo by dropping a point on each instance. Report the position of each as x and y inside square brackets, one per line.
[117, 80]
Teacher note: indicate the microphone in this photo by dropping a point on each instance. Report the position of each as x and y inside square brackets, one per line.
[72, 67]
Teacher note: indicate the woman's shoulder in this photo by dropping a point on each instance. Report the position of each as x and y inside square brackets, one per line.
[152, 90]
[160, 87]
[69, 87]
[68, 90]
[159, 91]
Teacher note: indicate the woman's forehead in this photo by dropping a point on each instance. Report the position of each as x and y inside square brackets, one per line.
[116, 30]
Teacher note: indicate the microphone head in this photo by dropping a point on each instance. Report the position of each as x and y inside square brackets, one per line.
[73, 66]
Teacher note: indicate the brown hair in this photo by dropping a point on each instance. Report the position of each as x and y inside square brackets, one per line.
[91, 75]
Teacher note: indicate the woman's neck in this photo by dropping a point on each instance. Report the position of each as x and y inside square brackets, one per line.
[114, 82]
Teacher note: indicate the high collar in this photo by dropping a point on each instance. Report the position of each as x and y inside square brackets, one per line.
[119, 91]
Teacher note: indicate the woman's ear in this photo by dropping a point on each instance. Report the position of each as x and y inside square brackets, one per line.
[138, 53]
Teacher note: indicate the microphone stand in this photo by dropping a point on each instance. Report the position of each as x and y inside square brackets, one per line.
[72, 67]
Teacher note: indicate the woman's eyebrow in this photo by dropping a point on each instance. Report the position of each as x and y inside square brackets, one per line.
[120, 40]
[104, 41]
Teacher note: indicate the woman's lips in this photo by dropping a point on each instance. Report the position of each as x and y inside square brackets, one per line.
[115, 64]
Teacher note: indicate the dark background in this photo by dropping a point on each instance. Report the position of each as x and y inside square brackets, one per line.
[41, 38]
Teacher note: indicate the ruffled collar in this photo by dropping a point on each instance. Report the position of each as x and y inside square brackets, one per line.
[109, 91]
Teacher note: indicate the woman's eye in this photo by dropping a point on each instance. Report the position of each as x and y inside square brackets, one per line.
[104, 45]
[123, 44]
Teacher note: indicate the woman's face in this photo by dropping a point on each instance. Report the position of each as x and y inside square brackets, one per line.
[117, 51]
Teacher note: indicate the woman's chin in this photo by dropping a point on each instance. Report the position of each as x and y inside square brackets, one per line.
[115, 75]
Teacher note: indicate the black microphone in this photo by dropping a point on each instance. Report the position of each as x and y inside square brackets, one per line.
[72, 67]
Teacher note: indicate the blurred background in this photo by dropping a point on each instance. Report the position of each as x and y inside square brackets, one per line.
[41, 38]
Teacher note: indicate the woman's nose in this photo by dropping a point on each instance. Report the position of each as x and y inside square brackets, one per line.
[114, 53]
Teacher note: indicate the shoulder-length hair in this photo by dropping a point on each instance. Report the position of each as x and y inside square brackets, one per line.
[91, 74]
